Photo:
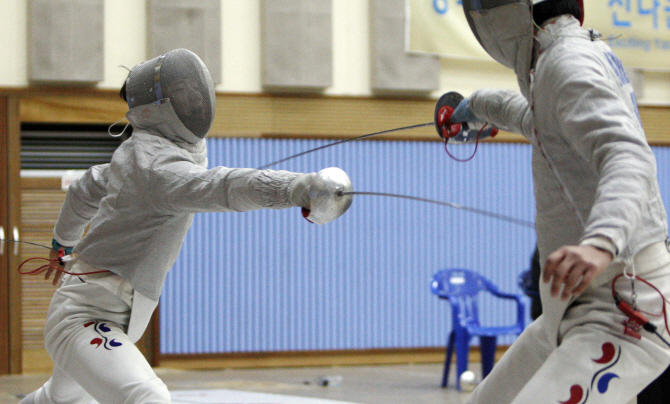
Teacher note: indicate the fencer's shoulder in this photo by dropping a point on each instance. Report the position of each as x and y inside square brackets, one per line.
[568, 61]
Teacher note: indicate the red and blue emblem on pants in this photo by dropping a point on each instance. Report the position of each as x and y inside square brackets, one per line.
[600, 380]
[101, 329]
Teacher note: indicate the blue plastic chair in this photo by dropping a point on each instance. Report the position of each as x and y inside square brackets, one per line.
[461, 287]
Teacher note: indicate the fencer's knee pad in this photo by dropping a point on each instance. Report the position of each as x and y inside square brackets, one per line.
[152, 391]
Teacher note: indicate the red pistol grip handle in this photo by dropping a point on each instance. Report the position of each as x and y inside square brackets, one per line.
[447, 128]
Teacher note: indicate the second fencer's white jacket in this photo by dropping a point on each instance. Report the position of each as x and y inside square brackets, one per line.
[594, 173]
[141, 205]
[590, 159]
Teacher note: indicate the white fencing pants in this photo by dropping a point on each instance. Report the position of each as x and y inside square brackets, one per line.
[85, 335]
[591, 361]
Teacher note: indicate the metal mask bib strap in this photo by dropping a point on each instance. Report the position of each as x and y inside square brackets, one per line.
[157, 80]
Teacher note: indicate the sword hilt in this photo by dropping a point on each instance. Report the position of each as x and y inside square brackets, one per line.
[444, 108]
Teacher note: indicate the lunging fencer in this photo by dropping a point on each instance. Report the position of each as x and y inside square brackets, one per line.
[140, 207]
[601, 224]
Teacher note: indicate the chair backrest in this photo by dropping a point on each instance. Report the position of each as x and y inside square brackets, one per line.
[460, 287]
[453, 282]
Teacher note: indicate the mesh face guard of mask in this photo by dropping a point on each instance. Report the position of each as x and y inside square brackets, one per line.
[180, 77]
[504, 28]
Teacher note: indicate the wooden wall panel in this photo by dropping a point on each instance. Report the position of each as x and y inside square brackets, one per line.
[256, 115]
[656, 121]
[73, 108]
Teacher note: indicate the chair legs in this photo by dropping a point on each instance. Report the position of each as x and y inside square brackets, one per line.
[462, 354]
[488, 350]
[460, 341]
[447, 359]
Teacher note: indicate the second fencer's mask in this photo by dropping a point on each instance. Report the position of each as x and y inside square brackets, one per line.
[180, 77]
[505, 30]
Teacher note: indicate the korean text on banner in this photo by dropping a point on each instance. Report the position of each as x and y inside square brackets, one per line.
[637, 30]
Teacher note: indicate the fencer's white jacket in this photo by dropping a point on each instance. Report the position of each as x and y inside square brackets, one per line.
[141, 205]
[590, 156]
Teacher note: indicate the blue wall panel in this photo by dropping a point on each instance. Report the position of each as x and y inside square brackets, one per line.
[271, 281]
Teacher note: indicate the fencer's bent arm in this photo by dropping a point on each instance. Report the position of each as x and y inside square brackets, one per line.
[191, 189]
[504, 109]
[81, 204]
[599, 121]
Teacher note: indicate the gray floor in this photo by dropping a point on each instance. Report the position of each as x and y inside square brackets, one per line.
[391, 384]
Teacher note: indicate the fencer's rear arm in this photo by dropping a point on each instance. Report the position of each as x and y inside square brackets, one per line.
[81, 204]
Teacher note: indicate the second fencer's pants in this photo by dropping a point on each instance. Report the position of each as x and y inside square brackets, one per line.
[85, 335]
[590, 361]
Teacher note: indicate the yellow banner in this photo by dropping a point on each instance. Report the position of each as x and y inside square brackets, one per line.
[637, 30]
[439, 26]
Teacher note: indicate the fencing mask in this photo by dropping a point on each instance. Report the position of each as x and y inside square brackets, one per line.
[505, 30]
[180, 77]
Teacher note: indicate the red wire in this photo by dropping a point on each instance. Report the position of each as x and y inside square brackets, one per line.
[48, 266]
[473, 153]
[665, 300]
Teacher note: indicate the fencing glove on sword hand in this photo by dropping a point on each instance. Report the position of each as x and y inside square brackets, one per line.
[456, 123]
[323, 195]
[298, 190]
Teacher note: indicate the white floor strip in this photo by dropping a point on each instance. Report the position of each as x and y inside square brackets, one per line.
[242, 397]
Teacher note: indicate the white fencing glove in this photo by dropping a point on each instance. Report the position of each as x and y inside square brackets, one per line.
[298, 190]
[322, 195]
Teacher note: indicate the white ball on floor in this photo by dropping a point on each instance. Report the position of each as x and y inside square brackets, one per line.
[467, 378]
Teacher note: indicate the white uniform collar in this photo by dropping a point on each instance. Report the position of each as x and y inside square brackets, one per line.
[161, 120]
[555, 28]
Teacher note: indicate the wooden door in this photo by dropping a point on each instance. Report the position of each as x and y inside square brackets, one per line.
[41, 199]
[10, 211]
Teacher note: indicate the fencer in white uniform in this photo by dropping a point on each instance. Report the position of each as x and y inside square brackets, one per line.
[139, 208]
[599, 211]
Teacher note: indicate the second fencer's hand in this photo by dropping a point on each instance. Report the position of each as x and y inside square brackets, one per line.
[463, 113]
[574, 267]
[472, 128]
[53, 255]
